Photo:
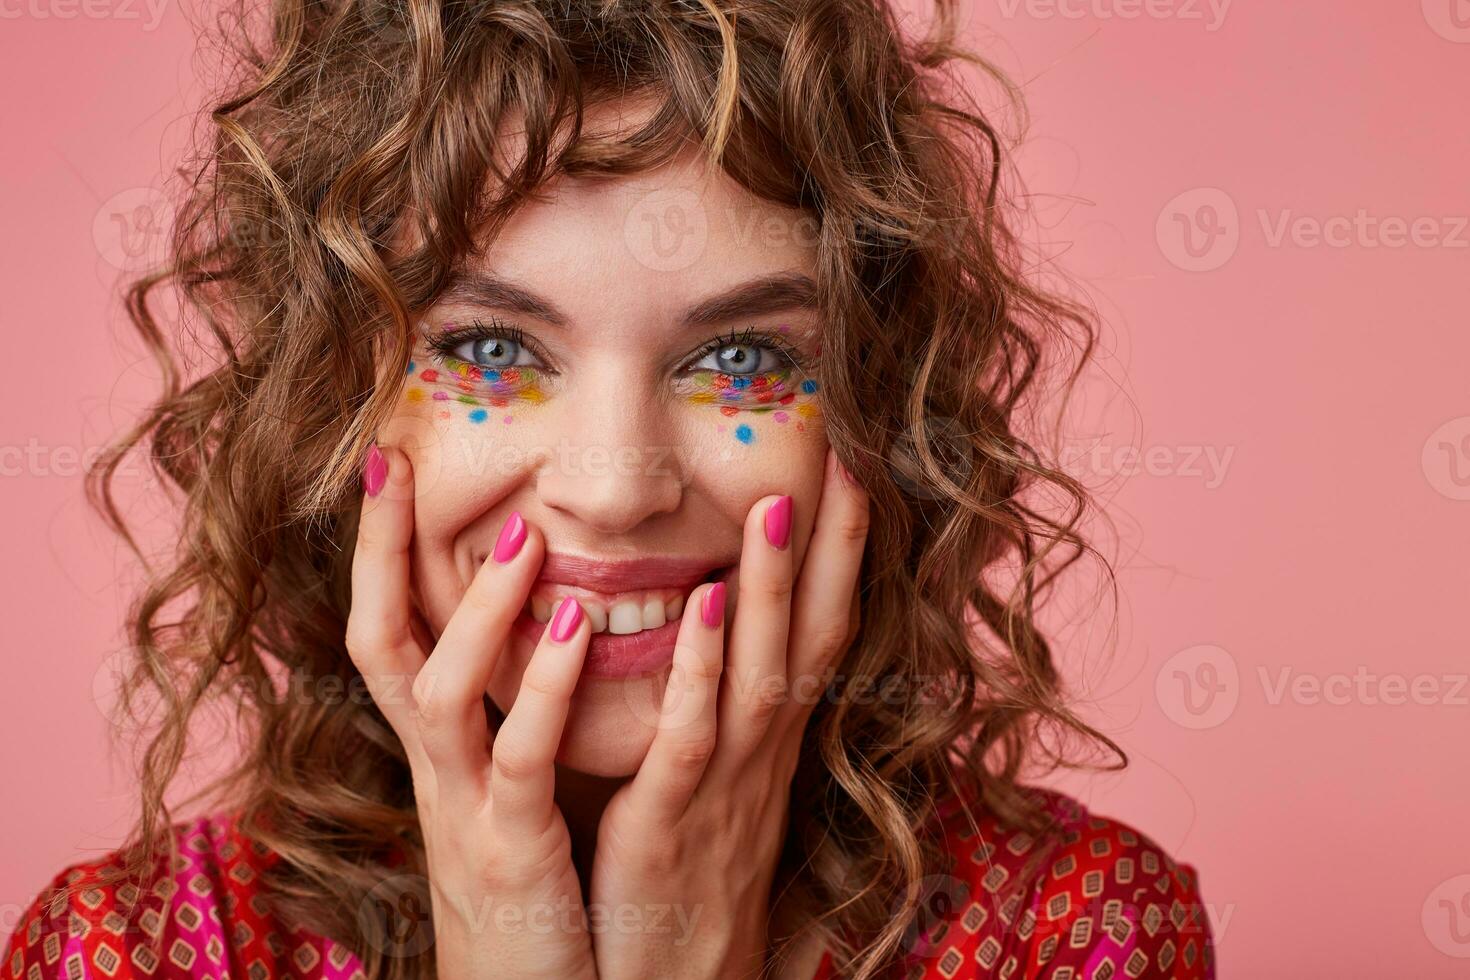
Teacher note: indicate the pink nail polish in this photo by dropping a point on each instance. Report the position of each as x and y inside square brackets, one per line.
[374, 471]
[778, 522]
[712, 606]
[512, 536]
[568, 617]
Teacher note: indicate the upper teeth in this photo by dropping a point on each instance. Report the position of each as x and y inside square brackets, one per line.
[629, 614]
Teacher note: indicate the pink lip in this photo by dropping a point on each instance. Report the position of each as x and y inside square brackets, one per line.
[612, 656]
[611, 577]
[628, 655]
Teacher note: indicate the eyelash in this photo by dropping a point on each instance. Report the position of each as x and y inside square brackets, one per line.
[445, 344]
[753, 338]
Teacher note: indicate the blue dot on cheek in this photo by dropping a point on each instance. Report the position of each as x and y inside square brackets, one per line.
[479, 415]
[744, 434]
[808, 386]
[411, 367]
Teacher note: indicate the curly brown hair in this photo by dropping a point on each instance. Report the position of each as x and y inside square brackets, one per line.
[346, 120]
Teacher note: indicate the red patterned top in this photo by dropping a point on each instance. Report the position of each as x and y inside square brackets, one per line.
[1105, 903]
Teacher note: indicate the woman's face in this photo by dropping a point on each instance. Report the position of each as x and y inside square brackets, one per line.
[631, 366]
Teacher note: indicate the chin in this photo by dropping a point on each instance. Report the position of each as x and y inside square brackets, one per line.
[612, 720]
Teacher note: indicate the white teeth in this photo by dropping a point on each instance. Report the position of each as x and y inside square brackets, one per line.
[624, 617]
[597, 615]
[629, 615]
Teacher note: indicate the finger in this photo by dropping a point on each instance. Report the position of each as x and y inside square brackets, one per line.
[523, 776]
[755, 659]
[825, 608]
[687, 725]
[379, 636]
[449, 691]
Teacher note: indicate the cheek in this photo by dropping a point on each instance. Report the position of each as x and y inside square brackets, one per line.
[464, 467]
[482, 397]
[751, 411]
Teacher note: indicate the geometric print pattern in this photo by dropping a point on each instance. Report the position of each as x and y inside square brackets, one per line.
[205, 920]
[1103, 902]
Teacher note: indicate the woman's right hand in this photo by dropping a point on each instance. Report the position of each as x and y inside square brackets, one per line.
[497, 847]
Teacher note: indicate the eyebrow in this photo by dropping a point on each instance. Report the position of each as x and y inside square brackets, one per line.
[760, 295]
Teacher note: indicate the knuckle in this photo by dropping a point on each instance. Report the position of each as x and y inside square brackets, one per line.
[704, 670]
[775, 589]
[854, 528]
[693, 751]
[434, 700]
[829, 637]
[768, 695]
[514, 762]
[542, 683]
[483, 599]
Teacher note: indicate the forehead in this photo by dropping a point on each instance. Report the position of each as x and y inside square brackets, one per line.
[681, 230]
[667, 236]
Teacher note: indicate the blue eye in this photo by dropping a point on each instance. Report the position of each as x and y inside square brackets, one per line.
[741, 359]
[492, 352]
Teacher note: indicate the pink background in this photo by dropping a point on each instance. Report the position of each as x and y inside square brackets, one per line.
[1324, 375]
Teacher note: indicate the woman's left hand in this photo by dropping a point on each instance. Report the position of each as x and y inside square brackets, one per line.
[687, 850]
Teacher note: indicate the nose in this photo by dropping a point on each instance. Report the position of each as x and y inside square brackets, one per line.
[614, 465]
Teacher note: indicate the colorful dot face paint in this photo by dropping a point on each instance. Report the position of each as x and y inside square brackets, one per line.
[478, 391]
[777, 395]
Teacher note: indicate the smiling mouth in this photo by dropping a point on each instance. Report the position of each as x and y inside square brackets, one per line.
[634, 634]
[619, 614]
[634, 605]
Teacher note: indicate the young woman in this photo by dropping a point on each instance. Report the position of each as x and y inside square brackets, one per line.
[610, 512]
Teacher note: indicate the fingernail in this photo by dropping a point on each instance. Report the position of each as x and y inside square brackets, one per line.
[778, 522]
[512, 536]
[374, 471]
[568, 617]
[712, 606]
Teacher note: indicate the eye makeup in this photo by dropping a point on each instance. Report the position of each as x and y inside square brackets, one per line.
[781, 395]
